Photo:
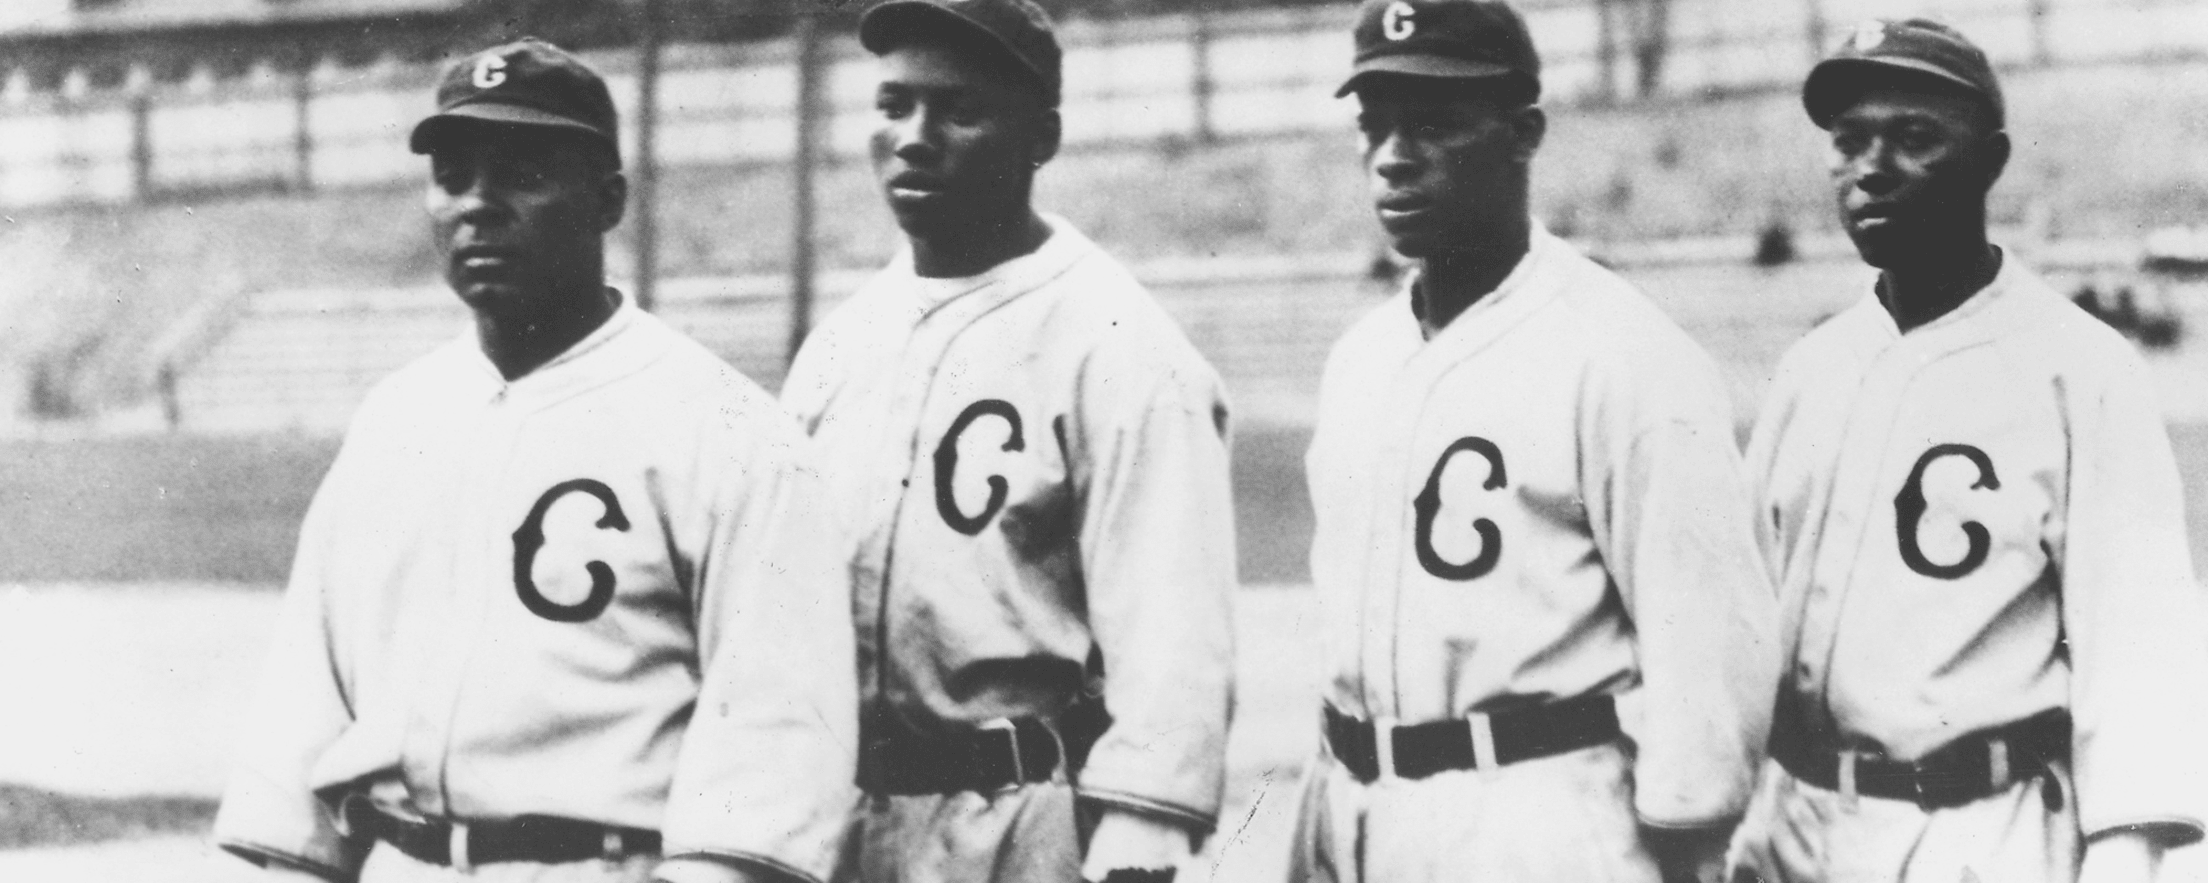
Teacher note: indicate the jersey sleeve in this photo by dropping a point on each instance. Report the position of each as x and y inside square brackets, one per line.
[806, 387]
[2133, 616]
[765, 774]
[1157, 544]
[269, 812]
[1762, 460]
[1672, 520]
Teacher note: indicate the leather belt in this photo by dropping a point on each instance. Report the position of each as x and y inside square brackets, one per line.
[1973, 767]
[1003, 753]
[1375, 749]
[464, 845]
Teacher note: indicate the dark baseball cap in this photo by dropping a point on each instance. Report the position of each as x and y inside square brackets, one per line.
[1020, 27]
[528, 82]
[1909, 52]
[1446, 39]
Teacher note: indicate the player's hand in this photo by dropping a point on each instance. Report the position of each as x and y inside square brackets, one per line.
[1129, 848]
[2123, 856]
[1688, 855]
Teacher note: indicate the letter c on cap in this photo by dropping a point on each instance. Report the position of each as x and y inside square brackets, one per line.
[490, 70]
[1397, 23]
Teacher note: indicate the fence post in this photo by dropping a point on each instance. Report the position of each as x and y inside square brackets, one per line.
[1815, 30]
[141, 144]
[1205, 85]
[647, 157]
[1606, 50]
[2042, 53]
[811, 62]
[302, 127]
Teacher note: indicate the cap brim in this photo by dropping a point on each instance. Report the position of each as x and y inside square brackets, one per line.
[492, 112]
[1835, 82]
[1433, 66]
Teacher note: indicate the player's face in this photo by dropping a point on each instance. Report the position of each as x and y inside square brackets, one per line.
[518, 212]
[958, 141]
[1910, 171]
[1446, 162]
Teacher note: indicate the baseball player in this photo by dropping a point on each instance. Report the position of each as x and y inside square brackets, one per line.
[1032, 494]
[1549, 637]
[560, 609]
[1996, 664]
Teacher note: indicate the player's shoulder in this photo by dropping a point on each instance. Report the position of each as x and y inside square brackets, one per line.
[690, 382]
[1098, 305]
[1842, 336]
[1382, 328]
[432, 377]
[2069, 339]
[1616, 323]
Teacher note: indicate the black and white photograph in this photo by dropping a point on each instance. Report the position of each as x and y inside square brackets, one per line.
[1104, 441]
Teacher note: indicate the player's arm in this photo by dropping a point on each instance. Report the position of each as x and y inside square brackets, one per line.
[270, 814]
[1762, 459]
[1157, 543]
[763, 784]
[1669, 505]
[2133, 618]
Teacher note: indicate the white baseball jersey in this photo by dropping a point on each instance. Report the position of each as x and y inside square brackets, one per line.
[1031, 464]
[1981, 520]
[597, 591]
[1545, 501]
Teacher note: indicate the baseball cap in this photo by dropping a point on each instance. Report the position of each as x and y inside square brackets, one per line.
[1447, 39]
[1913, 50]
[1022, 28]
[527, 82]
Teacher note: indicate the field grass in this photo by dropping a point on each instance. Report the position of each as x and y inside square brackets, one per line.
[33, 817]
[155, 508]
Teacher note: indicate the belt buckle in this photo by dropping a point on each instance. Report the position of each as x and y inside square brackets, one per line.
[1383, 747]
[612, 847]
[1997, 764]
[458, 848]
[1011, 732]
[1483, 740]
[1850, 798]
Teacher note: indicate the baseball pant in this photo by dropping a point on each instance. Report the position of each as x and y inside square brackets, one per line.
[1568, 817]
[1025, 835]
[388, 865]
[1796, 832]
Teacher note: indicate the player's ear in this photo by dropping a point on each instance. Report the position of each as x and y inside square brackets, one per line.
[613, 199]
[1996, 148]
[1050, 130]
[1528, 125]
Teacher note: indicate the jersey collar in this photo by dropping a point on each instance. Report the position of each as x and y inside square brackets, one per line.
[615, 348]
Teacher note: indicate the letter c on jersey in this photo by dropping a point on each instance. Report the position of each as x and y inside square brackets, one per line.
[1428, 505]
[1909, 506]
[946, 466]
[529, 538]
